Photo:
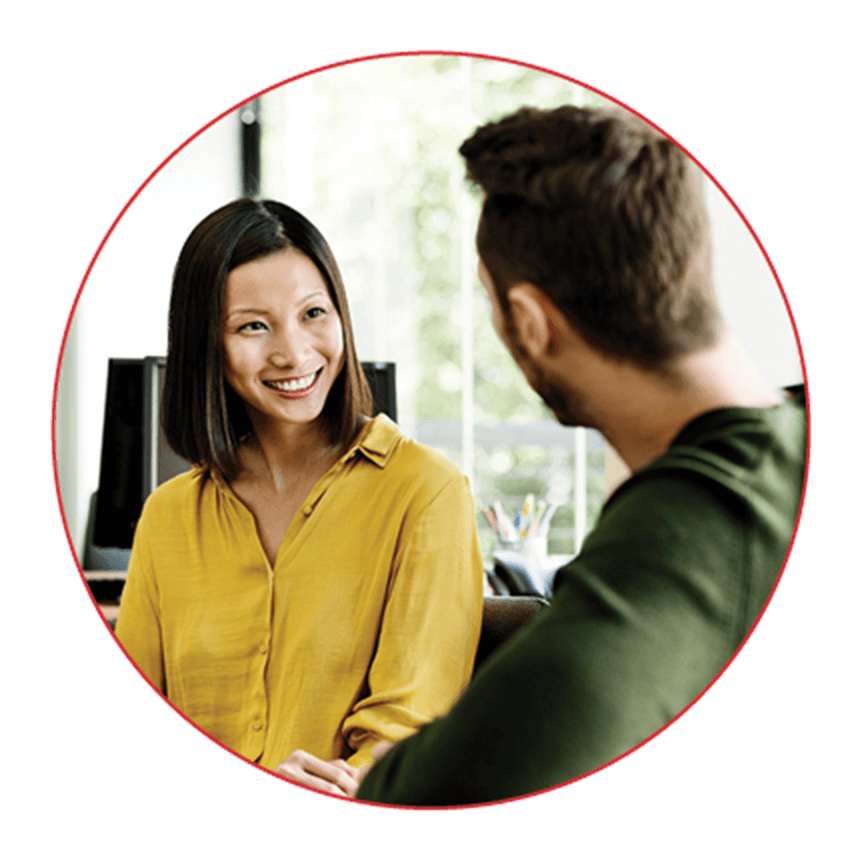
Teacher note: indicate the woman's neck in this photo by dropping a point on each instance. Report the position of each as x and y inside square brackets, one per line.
[277, 454]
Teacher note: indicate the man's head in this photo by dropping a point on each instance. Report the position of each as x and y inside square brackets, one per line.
[606, 218]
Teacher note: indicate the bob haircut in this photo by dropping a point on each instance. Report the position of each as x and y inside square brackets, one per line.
[606, 216]
[204, 420]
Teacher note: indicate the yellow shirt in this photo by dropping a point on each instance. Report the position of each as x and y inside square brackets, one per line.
[365, 628]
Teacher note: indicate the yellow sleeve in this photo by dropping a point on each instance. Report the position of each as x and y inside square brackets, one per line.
[430, 626]
[138, 628]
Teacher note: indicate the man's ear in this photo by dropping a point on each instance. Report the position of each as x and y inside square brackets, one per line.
[531, 320]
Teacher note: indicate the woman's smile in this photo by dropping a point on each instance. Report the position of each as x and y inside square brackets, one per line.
[283, 341]
[295, 387]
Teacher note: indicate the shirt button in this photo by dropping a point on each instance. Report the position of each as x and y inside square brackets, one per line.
[257, 726]
[263, 649]
[307, 510]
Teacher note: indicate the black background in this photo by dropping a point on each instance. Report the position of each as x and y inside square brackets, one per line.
[780, 780]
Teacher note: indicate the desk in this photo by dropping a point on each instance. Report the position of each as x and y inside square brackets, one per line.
[106, 587]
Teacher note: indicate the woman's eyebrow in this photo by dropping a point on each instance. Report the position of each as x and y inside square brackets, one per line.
[234, 311]
[250, 310]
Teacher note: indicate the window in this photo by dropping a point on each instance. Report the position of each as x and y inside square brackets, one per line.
[368, 151]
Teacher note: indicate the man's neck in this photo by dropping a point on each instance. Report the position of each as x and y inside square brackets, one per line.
[641, 412]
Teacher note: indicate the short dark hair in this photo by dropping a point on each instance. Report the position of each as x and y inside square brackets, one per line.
[204, 420]
[606, 216]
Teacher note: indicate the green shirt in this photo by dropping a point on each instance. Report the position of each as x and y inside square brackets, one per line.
[678, 569]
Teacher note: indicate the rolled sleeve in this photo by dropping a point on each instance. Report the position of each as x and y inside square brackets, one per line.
[430, 627]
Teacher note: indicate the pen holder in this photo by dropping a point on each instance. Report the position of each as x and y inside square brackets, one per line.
[534, 548]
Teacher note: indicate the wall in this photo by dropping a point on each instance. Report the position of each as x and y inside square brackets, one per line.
[123, 308]
[749, 297]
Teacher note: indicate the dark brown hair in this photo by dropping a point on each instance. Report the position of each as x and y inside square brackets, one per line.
[204, 420]
[604, 215]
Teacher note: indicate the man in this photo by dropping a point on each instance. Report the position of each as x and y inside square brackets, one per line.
[595, 253]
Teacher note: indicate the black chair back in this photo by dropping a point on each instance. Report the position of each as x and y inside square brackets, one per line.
[502, 616]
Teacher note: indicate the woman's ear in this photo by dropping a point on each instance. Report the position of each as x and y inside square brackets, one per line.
[531, 320]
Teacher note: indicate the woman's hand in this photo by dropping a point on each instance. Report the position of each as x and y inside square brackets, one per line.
[333, 776]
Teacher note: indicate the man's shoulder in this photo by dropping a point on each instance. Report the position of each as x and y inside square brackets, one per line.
[736, 454]
[703, 532]
[659, 521]
[742, 436]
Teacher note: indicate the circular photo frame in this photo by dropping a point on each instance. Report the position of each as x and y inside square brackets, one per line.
[137, 721]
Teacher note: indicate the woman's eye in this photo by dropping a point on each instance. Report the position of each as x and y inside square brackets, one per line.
[315, 312]
[253, 326]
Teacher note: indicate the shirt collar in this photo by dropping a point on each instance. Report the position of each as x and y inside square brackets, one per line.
[377, 440]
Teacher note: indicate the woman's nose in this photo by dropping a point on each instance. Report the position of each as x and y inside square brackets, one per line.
[288, 347]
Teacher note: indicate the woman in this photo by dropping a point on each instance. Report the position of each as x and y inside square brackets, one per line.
[313, 586]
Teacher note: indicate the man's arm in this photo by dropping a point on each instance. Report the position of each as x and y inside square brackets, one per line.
[541, 712]
[638, 627]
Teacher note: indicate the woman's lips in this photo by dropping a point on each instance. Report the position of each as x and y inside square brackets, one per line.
[294, 387]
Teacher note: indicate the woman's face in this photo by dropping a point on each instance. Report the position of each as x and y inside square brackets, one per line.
[282, 336]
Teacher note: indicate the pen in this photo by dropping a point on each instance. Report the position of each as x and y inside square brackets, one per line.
[537, 519]
[529, 502]
[546, 520]
[506, 528]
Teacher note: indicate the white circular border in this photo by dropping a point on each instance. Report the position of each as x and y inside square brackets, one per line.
[325, 22]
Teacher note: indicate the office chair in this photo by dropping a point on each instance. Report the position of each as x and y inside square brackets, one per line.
[502, 616]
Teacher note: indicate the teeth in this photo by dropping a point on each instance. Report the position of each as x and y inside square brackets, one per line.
[292, 385]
